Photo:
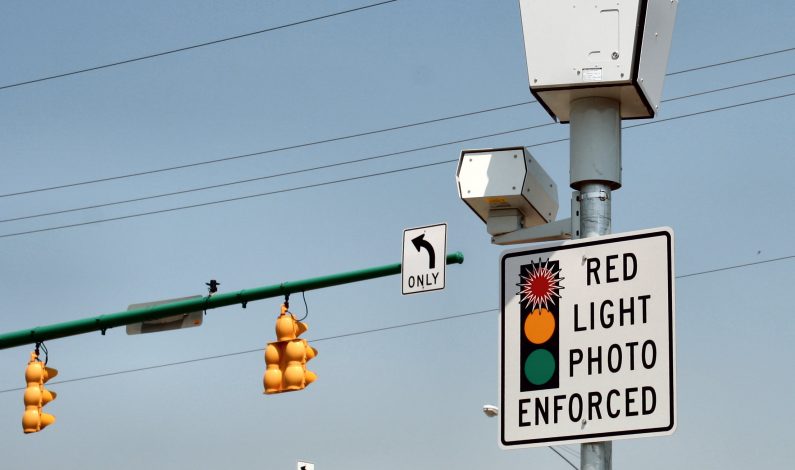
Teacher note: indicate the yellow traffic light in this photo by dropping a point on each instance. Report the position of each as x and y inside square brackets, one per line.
[286, 357]
[36, 396]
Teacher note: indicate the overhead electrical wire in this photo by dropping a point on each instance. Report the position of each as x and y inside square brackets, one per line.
[223, 201]
[373, 330]
[351, 136]
[733, 61]
[360, 177]
[571, 452]
[359, 160]
[276, 175]
[722, 108]
[736, 266]
[194, 46]
[564, 458]
[732, 87]
[265, 152]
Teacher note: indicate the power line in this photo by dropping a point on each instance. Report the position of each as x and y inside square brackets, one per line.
[571, 452]
[403, 325]
[194, 46]
[248, 180]
[336, 139]
[348, 162]
[657, 121]
[264, 152]
[141, 369]
[223, 201]
[564, 458]
[732, 87]
[369, 331]
[736, 266]
[733, 61]
[722, 108]
[343, 180]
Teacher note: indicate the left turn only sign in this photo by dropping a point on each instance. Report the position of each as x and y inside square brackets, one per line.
[424, 258]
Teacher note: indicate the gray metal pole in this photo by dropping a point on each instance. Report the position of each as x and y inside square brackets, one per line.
[595, 172]
[596, 456]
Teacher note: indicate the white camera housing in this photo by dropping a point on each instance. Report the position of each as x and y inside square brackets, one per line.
[506, 188]
[587, 48]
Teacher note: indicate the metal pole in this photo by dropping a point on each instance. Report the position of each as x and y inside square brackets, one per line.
[595, 172]
[103, 322]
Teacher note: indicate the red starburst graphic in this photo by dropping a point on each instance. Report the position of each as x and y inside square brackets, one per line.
[539, 284]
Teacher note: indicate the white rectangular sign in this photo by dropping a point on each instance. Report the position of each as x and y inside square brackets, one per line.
[175, 322]
[587, 340]
[424, 258]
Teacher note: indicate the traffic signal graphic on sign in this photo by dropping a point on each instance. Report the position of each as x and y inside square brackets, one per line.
[539, 294]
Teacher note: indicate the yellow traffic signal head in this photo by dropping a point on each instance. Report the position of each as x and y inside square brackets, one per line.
[286, 357]
[36, 396]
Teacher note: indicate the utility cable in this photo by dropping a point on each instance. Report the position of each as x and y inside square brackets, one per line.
[733, 61]
[348, 162]
[732, 87]
[571, 452]
[297, 23]
[722, 108]
[194, 46]
[564, 458]
[343, 180]
[223, 201]
[263, 152]
[334, 139]
[737, 266]
[275, 175]
[365, 332]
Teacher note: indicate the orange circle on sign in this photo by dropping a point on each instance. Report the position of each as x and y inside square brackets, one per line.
[539, 326]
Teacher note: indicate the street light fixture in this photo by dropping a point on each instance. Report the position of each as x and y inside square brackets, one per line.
[491, 410]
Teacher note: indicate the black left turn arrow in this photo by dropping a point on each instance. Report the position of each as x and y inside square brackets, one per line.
[420, 242]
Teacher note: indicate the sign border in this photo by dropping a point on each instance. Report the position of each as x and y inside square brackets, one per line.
[579, 243]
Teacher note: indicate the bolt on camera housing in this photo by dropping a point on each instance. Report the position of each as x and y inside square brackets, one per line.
[506, 188]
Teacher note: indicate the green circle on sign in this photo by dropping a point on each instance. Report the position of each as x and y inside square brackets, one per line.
[539, 367]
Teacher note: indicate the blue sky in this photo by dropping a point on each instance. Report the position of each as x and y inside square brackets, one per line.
[406, 397]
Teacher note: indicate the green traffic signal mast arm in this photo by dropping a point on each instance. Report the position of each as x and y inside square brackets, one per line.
[155, 312]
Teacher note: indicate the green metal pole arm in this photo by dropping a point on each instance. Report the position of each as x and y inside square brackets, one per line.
[103, 322]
